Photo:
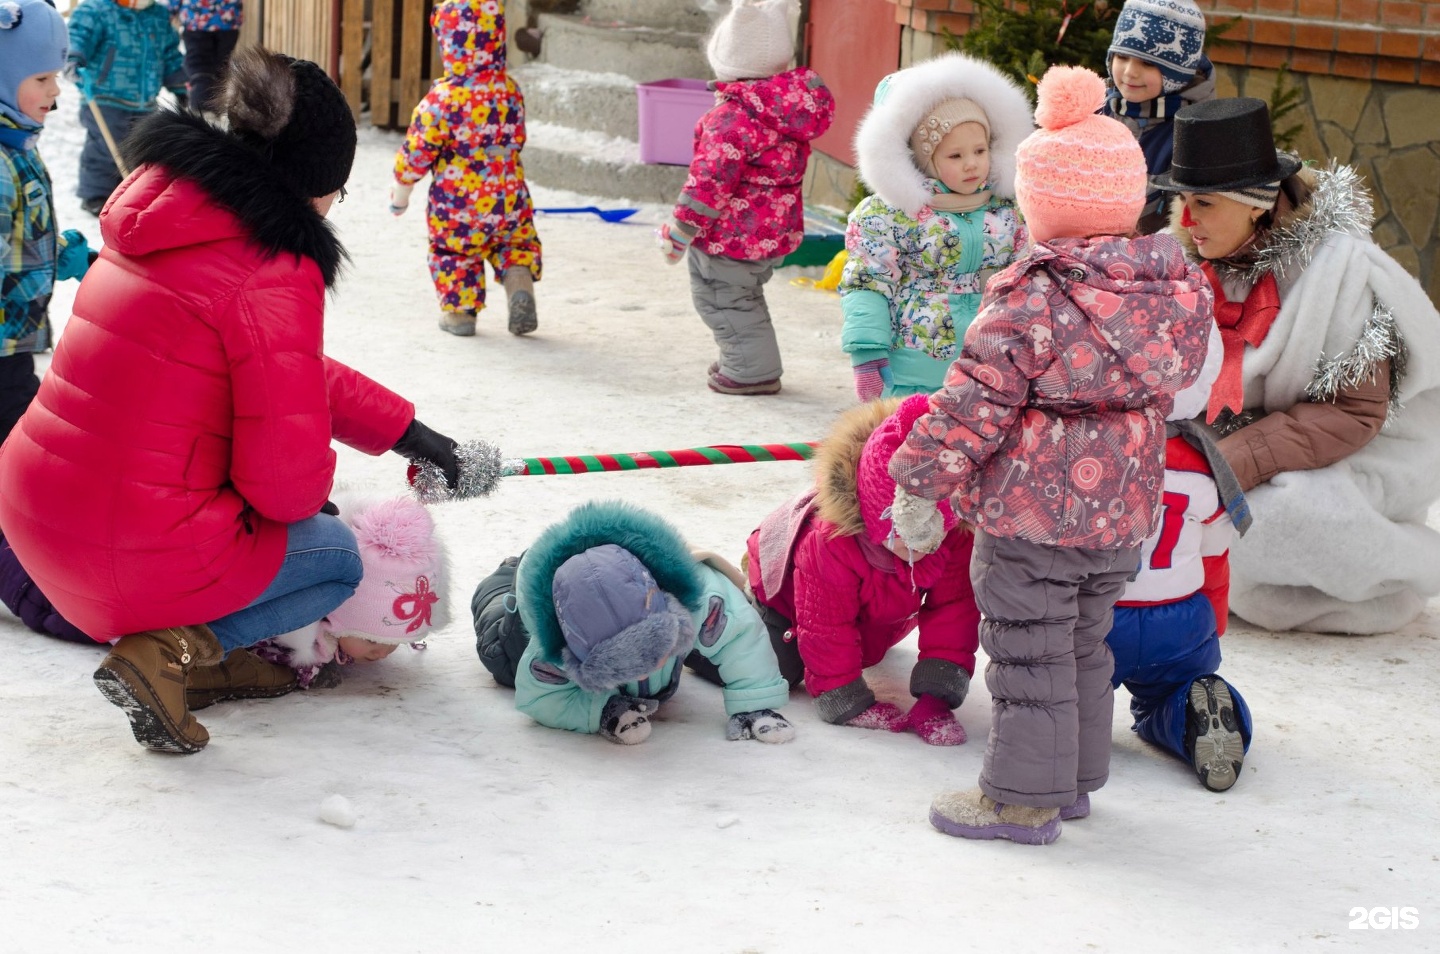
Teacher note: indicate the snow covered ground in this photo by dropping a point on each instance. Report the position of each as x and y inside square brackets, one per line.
[478, 830]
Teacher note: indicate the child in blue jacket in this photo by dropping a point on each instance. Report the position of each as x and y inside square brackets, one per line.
[595, 622]
[122, 52]
[1157, 65]
[32, 255]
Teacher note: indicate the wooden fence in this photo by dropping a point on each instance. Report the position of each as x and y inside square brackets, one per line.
[380, 53]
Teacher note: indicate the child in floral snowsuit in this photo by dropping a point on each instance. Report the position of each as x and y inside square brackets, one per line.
[938, 148]
[210, 29]
[741, 212]
[1049, 435]
[467, 133]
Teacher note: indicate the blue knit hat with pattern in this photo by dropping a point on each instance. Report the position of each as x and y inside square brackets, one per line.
[1168, 33]
[32, 41]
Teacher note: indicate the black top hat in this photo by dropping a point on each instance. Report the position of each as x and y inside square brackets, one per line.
[1223, 145]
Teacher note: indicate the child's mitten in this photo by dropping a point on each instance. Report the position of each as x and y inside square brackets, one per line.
[75, 255]
[674, 241]
[931, 719]
[625, 719]
[854, 704]
[762, 725]
[400, 198]
[870, 379]
[917, 522]
[885, 716]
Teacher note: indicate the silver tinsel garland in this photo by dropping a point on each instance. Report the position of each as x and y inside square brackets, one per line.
[1340, 203]
[480, 472]
[1379, 341]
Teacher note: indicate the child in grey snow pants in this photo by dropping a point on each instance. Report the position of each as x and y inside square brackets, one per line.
[729, 294]
[1046, 613]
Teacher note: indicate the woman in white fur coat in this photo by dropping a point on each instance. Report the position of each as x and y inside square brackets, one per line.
[1329, 396]
[938, 147]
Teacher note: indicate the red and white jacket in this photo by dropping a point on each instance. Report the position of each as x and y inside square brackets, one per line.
[1190, 553]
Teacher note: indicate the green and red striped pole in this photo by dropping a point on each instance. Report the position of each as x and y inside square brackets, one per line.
[651, 460]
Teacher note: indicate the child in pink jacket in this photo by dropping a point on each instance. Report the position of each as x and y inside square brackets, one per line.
[1049, 435]
[828, 563]
[741, 212]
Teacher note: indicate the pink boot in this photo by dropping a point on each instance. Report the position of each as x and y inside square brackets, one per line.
[932, 720]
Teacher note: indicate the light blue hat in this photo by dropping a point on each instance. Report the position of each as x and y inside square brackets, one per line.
[32, 40]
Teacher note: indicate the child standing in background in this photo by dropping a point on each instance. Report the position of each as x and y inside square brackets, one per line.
[32, 256]
[741, 210]
[1168, 623]
[122, 53]
[938, 147]
[1157, 65]
[467, 133]
[841, 590]
[1049, 434]
[210, 29]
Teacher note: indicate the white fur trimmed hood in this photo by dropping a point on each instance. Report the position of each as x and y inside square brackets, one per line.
[905, 98]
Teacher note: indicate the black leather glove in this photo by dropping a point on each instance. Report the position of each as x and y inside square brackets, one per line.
[421, 443]
[330, 508]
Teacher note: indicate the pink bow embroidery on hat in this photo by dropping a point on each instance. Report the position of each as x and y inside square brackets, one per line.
[416, 606]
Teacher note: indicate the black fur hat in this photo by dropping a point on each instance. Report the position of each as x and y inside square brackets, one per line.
[294, 115]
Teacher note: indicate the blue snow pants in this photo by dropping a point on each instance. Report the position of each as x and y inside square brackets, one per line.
[1159, 651]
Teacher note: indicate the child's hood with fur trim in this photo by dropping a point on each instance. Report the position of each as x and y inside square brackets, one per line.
[652, 540]
[837, 465]
[882, 143]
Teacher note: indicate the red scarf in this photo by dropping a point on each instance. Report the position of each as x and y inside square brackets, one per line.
[1241, 323]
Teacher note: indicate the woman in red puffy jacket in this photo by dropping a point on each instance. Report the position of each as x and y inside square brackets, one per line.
[167, 484]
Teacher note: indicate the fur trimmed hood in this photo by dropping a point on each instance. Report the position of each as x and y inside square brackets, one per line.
[904, 99]
[233, 176]
[837, 465]
[653, 541]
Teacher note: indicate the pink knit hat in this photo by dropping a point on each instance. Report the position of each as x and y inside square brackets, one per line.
[875, 487]
[402, 594]
[1079, 174]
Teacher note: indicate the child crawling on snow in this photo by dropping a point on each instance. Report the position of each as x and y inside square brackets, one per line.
[400, 599]
[594, 623]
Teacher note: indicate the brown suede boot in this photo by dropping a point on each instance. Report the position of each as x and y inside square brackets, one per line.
[241, 675]
[145, 675]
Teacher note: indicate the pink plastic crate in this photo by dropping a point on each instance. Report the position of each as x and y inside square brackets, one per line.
[669, 110]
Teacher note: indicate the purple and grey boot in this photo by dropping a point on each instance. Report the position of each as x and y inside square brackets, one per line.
[973, 814]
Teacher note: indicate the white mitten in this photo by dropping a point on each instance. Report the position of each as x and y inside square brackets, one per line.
[400, 198]
[762, 725]
[626, 720]
[917, 522]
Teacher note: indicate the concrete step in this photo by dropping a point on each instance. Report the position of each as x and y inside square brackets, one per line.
[691, 15]
[642, 53]
[592, 163]
[603, 102]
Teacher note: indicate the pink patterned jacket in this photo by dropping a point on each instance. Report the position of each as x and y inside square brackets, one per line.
[1051, 423]
[743, 195]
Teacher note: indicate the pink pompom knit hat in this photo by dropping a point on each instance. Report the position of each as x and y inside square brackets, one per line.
[1079, 174]
[874, 486]
[402, 593]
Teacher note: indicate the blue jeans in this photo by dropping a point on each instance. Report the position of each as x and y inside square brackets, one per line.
[320, 571]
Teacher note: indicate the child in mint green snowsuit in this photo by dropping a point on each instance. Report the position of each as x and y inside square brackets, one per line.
[609, 606]
[938, 148]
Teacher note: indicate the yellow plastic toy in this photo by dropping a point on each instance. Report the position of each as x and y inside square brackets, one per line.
[831, 279]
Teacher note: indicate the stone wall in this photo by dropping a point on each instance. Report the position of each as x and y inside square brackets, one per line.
[1391, 133]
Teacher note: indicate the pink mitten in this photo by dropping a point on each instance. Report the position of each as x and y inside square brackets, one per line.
[932, 720]
[869, 384]
[881, 715]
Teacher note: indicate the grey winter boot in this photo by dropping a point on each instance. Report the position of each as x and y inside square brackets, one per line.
[520, 293]
[461, 323]
[145, 675]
